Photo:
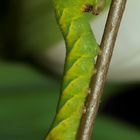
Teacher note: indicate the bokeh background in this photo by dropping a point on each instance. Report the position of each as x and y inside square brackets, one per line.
[31, 63]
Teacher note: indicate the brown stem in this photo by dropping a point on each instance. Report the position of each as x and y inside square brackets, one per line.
[103, 61]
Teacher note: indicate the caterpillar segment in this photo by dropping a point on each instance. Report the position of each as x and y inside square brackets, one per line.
[81, 51]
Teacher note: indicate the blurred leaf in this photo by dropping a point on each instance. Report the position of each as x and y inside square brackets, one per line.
[17, 74]
[28, 102]
[108, 129]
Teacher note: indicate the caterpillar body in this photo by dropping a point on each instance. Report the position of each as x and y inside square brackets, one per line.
[81, 50]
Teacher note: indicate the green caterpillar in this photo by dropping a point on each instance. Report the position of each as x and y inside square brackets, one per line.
[81, 51]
